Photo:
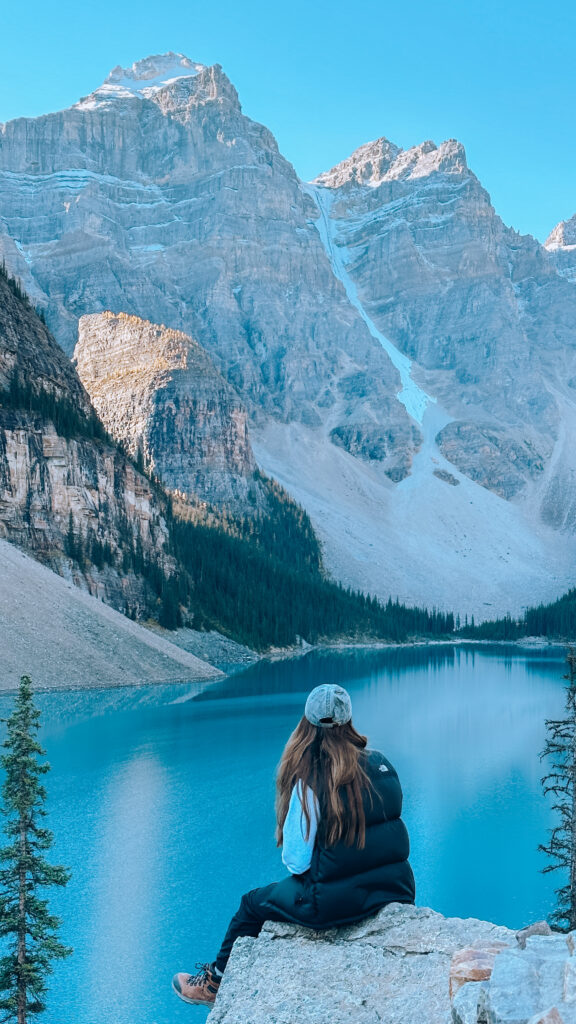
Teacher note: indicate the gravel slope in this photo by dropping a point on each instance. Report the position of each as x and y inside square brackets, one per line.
[62, 637]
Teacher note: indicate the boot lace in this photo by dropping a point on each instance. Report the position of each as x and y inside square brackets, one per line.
[204, 976]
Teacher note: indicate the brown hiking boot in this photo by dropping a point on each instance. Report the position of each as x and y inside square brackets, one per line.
[199, 989]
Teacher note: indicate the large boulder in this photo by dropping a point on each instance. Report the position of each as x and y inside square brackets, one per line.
[390, 969]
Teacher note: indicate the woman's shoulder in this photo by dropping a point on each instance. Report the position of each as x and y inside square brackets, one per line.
[378, 762]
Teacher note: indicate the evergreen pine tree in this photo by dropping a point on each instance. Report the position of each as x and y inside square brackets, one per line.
[561, 782]
[27, 927]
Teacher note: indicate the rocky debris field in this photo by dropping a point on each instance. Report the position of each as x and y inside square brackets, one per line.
[214, 648]
[64, 638]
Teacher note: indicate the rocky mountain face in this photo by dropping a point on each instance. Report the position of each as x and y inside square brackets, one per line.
[407, 362]
[157, 197]
[159, 393]
[62, 484]
[561, 246]
[477, 307]
[480, 328]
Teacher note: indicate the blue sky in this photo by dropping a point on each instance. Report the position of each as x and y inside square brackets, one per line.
[325, 78]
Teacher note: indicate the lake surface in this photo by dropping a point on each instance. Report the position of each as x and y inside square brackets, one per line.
[161, 800]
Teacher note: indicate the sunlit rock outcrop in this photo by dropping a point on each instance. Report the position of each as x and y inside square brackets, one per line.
[158, 392]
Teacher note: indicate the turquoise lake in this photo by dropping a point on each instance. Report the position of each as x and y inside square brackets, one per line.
[161, 800]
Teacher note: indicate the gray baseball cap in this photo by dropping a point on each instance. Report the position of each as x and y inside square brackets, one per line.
[328, 705]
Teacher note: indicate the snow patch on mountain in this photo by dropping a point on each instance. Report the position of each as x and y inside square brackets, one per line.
[412, 397]
[143, 79]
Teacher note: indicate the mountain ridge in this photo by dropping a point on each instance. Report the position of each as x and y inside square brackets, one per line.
[561, 247]
[381, 160]
[330, 320]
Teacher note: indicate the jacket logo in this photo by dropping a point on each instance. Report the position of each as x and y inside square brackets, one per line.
[382, 768]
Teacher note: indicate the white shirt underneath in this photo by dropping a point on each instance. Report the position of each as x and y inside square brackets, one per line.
[296, 849]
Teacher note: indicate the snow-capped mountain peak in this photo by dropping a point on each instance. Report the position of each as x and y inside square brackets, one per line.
[144, 78]
[563, 236]
[561, 246]
[380, 161]
[367, 165]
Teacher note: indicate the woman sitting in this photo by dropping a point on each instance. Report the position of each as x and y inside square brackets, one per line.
[343, 841]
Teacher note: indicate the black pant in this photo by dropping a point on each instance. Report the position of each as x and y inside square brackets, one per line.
[247, 920]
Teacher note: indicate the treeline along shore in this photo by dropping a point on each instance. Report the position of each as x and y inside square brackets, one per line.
[556, 621]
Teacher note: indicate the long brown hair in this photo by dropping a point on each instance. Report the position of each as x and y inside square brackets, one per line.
[328, 761]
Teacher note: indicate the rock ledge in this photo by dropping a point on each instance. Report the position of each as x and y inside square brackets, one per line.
[390, 969]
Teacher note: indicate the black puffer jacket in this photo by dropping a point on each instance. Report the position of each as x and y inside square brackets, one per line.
[345, 884]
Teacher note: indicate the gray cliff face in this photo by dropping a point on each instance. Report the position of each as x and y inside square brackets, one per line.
[495, 457]
[50, 476]
[166, 202]
[480, 309]
[158, 392]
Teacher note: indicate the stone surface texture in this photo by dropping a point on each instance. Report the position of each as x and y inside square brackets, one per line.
[468, 1004]
[547, 1017]
[159, 393]
[474, 963]
[395, 968]
[531, 982]
[539, 928]
[392, 968]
